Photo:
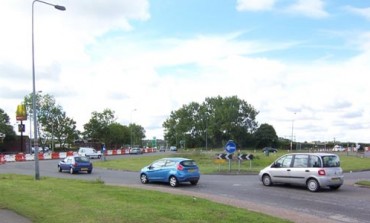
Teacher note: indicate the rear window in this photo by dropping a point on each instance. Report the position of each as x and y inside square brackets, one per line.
[82, 159]
[330, 161]
[188, 163]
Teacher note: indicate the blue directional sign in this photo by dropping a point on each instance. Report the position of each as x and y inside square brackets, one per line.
[230, 146]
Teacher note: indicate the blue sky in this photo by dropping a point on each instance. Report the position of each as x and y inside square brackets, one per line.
[301, 63]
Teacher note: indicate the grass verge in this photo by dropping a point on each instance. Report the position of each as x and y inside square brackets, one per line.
[209, 165]
[64, 200]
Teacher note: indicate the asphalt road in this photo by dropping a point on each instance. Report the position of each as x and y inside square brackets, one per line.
[348, 204]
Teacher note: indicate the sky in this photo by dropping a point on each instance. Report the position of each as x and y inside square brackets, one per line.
[302, 64]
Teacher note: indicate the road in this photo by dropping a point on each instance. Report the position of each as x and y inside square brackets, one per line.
[349, 204]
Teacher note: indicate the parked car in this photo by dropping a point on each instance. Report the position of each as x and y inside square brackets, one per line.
[338, 148]
[269, 150]
[162, 149]
[75, 164]
[313, 170]
[172, 171]
[135, 151]
[89, 152]
[173, 148]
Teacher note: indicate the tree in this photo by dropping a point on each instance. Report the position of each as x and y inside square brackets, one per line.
[213, 122]
[52, 121]
[230, 118]
[5, 127]
[137, 134]
[119, 135]
[266, 136]
[98, 126]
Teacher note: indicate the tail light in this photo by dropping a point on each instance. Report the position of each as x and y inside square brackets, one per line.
[180, 167]
[321, 173]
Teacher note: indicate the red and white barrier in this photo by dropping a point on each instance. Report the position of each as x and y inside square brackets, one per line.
[58, 155]
[2, 159]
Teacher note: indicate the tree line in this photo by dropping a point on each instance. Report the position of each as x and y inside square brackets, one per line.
[209, 124]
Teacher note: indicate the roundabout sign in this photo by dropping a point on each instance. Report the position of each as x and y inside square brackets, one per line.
[230, 147]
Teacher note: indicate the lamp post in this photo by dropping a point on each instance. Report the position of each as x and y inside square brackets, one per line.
[291, 142]
[131, 128]
[37, 169]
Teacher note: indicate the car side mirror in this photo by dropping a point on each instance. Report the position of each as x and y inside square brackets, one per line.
[276, 165]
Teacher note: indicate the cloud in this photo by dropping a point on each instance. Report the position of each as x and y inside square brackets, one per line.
[310, 8]
[363, 12]
[255, 5]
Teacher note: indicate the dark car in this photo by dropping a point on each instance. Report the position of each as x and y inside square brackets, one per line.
[75, 164]
[172, 171]
[269, 150]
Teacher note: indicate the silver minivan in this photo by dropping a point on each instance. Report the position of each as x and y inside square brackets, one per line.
[314, 170]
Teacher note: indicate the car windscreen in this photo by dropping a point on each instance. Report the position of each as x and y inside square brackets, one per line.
[188, 163]
[330, 161]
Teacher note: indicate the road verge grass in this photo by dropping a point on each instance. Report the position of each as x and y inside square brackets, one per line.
[65, 200]
[208, 163]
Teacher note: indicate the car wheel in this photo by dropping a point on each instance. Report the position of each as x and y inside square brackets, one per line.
[173, 181]
[71, 171]
[89, 171]
[313, 185]
[60, 169]
[266, 180]
[144, 178]
[194, 182]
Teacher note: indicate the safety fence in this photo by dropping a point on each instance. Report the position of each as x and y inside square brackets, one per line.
[60, 155]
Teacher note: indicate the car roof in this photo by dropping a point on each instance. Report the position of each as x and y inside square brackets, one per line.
[176, 159]
[75, 156]
[317, 154]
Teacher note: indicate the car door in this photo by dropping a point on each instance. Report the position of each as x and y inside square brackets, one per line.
[280, 169]
[300, 169]
[156, 170]
[65, 164]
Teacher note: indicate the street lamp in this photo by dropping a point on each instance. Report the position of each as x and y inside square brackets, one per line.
[37, 169]
[131, 127]
[291, 142]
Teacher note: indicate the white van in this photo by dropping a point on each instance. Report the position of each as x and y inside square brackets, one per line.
[89, 152]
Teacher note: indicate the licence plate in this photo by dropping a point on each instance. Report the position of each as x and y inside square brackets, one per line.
[84, 169]
[191, 170]
[335, 179]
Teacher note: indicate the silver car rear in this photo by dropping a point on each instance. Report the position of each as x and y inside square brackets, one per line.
[314, 170]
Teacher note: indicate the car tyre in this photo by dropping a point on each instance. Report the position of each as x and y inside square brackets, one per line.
[266, 180]
[173, 181]
[71, 171]
[144, 178]
[60, 169]
[89, 171]
[194, 182]
[313, 185]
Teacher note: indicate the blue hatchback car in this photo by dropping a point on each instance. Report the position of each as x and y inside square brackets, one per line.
[75, 164]
[172, 171]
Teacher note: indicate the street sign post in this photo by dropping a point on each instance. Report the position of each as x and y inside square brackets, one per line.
[230, 148]
[245, 157]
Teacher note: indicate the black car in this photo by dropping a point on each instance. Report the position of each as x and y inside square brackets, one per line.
[269, 150]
